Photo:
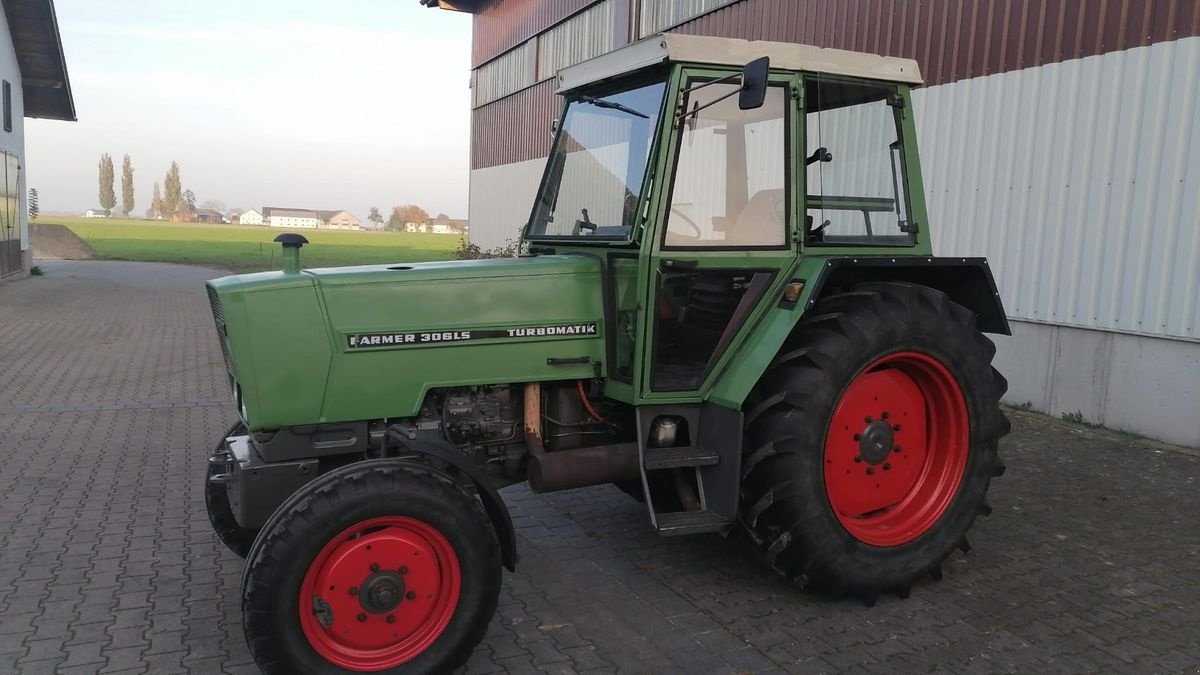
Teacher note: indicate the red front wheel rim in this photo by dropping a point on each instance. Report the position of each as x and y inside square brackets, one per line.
[379, 593]
[896, 449]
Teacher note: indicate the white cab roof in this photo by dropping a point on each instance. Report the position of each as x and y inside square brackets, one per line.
[735, 52]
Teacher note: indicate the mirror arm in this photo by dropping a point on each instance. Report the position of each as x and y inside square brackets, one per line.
[697, 108]
[709, 83]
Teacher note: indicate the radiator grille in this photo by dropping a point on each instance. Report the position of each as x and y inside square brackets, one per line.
[219, 319]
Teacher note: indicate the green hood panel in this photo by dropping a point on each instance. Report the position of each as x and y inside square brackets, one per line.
[355, 343]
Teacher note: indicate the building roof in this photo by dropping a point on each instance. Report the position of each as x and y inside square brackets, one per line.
[734, 52]
[456, 5]
[319, 214]
[209, 212]
[38, 45]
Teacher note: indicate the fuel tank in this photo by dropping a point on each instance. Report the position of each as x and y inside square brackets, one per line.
[357, 343]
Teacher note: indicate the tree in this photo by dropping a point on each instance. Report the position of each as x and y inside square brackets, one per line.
[172, 191]
[374, 217]
[443, 217]
[108, 196]
[410, 213]
[394, 221]
[127, 186]
[190, 198]
[214, 204]
[156, 203]
[34, 209]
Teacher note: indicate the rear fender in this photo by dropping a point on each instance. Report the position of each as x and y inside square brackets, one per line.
[967, 281]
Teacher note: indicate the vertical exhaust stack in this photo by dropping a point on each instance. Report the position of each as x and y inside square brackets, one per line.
[291, 251]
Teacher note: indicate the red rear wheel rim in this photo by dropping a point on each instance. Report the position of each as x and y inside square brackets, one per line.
[896, 449]
[380, 593]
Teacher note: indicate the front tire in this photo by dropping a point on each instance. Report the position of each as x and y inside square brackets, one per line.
[216, 501]
[871, 441]
[379, 566]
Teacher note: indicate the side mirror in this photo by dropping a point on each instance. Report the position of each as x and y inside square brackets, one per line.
[754, 84]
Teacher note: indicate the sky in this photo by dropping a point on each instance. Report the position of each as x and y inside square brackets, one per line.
[296, 103]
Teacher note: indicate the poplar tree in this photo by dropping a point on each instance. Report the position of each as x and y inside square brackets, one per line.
[108, 196]
[127, 186]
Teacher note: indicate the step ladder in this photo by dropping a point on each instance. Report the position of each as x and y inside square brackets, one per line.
[709, 464]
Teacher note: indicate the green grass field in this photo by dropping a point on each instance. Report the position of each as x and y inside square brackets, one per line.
[247, 248]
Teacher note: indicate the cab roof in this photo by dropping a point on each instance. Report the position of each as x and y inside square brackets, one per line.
[679, 48]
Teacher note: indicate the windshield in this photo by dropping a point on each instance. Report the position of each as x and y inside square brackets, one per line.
[594, 181]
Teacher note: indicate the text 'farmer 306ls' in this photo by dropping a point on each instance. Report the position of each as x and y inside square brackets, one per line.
[729, 309]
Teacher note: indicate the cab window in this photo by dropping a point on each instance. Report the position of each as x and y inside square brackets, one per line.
[857, 184]
[730, 182]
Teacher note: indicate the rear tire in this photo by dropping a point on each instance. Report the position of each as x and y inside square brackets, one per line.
[378, 566]
[839, 497]
[216, 501]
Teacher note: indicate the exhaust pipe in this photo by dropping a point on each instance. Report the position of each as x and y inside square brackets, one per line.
[567, 469]
[291, 251]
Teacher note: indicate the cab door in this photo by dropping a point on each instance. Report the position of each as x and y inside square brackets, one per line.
[726, 236]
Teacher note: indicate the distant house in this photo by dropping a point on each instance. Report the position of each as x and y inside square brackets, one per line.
[416, 227]
[448, 226]
[208, 216]
[98, 213]
[251, 217]
[340, 220]
[294, 218]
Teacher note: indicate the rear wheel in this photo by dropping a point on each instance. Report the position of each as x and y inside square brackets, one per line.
[871, 441]
[216, 500]
[380, 566]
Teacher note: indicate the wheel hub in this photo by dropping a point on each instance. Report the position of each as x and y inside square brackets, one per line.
[381, 592]
[876, 442]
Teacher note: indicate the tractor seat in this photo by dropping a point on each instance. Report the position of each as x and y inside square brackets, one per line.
[761, 222]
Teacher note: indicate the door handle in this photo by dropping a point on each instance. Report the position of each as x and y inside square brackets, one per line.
[678, 264]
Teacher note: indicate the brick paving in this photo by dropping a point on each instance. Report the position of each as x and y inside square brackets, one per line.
[111, 395]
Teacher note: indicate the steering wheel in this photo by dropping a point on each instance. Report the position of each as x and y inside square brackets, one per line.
[689, 222]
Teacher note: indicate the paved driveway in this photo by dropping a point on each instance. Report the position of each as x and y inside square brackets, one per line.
[111, 395]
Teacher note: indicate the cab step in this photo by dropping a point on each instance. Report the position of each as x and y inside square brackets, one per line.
[690, 522]
[676, 458]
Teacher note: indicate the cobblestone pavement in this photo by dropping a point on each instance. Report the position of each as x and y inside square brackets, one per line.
[111, 396]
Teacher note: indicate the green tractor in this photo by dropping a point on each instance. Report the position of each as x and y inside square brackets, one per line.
[727, 305]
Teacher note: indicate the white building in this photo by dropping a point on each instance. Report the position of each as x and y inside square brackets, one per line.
[97, 213]
[293, 218]
[33, 83]
[251, 217]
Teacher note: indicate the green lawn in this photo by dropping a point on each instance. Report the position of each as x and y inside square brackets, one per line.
[248, 248]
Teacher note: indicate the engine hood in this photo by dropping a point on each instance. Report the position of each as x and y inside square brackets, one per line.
[354, 343]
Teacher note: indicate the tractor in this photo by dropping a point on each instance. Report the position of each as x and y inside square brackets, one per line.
[725, 304]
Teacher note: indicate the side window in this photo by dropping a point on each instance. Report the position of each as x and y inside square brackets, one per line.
[730, 175]
[857, 185]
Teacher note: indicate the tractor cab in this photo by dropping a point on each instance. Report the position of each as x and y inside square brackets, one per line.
[704, 172]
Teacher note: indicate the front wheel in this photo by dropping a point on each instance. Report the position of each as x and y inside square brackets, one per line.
[871, 441]
[216, 501]
[379, 566]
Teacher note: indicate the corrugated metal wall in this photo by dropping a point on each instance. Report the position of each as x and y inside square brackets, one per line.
[500, 77]
[1080, 181]
[657, 15]
[959, 39]
[587, 34]
[515, 128]
[506, 23]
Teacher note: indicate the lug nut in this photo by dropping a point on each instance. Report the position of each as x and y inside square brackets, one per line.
[403, 569]
[886, 466]
[897, 448]
[895, 427]
[410, 595]
[870, 419]
[391, 618]
[858, 437]
[884, 415]
[870, 471]
[858, 459]
[353, 590]
[362, 617]
[374, 567]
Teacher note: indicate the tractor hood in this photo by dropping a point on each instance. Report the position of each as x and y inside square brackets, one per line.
[354, 343]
